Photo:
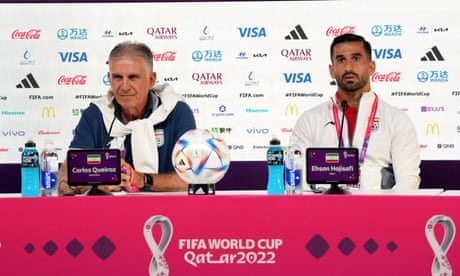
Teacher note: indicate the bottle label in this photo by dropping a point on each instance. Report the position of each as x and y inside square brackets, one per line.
[292, 177]
[49, 180]
[275, 158]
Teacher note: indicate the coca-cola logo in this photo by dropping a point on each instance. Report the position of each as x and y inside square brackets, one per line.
[331, 31]
[389, 77]
[30, 34]
[166, 56]
[76, 80]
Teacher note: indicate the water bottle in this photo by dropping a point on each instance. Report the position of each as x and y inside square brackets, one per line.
[275, 185]
[293, 174]
[30, 171]
[49, 167]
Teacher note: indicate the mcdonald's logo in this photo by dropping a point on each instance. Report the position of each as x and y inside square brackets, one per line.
[432, 129]
[48, 112]
[291, 110]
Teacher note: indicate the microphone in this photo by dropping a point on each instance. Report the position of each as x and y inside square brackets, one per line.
[107, 139]
[344, 107]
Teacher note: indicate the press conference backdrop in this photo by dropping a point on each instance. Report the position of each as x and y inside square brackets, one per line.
[247, 69]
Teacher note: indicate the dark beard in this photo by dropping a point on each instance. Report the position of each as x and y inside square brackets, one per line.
[351, 87]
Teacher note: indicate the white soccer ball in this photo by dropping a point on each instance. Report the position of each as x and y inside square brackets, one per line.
[201, 157]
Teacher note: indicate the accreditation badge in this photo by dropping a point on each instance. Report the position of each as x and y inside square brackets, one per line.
[160, 137]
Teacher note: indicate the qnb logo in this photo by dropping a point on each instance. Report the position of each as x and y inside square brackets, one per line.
[291, 110]
[166, 56]
[48, 112]
[389, 53]
[76, 80]
[28, 82]
[30, 34]
[73, 56]
[208, 78]
[388, 77]
[252, 32]
[432, 129]
[162, 32]
[331, 31]
[445, 146]
[432, 109]
[433, 55]
[296, 34]
[297, 54]
[297, 77]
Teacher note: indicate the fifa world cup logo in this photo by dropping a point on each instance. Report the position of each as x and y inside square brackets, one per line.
[440, 265]
[158, 265]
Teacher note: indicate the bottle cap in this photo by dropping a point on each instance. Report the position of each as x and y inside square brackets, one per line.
[49, 143]
[30, 144]
[275, 141]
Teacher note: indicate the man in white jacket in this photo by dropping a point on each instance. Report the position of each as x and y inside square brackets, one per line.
[389, 151]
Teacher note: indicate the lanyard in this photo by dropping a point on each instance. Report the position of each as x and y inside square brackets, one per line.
[367, 135]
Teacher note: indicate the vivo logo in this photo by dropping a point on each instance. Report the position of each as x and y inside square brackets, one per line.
[297, 77]
[73, 56]
[257, 130]
[252, 32]
[13, 133]
[387, 53]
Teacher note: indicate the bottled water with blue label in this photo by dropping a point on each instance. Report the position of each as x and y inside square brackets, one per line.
[293, 174]
[49, 168]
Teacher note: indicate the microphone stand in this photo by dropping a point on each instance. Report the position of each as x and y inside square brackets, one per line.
[335, 189]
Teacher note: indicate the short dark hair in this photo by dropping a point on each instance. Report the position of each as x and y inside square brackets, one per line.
[130, 48]
[351, 38]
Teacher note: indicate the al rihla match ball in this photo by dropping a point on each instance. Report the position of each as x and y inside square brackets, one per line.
[201, 157]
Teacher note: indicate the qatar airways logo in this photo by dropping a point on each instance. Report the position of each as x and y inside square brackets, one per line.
[165, 56]
[388, 77]
[30, 34]
[75, 80]
[162, 32]
[208, 78]
[331, 31]
[297, 54]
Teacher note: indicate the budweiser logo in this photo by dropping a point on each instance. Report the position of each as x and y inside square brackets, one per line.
[30, 34]
[331, 31]
[76, 80]
[166, 56]
[389, 77]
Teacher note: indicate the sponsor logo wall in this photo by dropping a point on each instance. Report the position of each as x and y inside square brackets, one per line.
[246, 77]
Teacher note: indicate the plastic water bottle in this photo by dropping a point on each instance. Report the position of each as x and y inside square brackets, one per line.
[30, 171]
[49, 167]
[293, 174]
[275, 185]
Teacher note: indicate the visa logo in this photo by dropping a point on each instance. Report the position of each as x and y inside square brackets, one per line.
[252, 32]
[387, 53]
[73, 56]
[297, 77]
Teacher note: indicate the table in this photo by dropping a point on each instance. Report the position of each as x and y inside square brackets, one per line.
[228, 234]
